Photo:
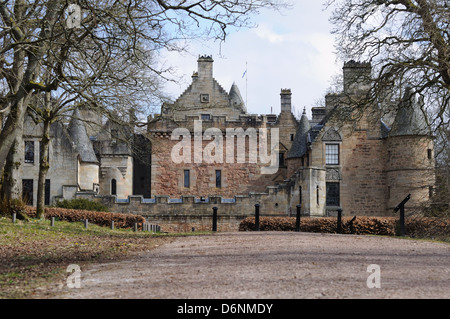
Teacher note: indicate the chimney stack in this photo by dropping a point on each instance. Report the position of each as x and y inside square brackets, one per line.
[205, 67]
[357, 77]
[286, 100]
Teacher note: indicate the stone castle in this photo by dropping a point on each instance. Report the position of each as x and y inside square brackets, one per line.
[322, 164]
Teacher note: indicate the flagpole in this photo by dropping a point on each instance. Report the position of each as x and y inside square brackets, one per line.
[246, 84]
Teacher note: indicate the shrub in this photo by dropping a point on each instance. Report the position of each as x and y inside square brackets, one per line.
[10, 206]
[83, 204]
[361, 225]
[418, 226]
[98, 218]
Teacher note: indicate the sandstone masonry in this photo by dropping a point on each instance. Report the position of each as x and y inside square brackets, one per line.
[324, 163]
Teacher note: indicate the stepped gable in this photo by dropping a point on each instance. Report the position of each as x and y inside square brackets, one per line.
[80, 139]
[206, 95]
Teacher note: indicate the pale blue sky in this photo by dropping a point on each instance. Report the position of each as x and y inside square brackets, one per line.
[293, 50]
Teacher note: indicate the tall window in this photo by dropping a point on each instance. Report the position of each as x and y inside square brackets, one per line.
[47, 192]
[333, 194]
[281, 159]
[218, 179]
[187, 178]
[113, 187]
[332, 154]
[29, 151]
[27, 191]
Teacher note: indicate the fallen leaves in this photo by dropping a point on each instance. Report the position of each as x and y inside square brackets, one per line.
[33, 255]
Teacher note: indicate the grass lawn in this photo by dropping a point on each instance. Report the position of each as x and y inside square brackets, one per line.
[34, 256]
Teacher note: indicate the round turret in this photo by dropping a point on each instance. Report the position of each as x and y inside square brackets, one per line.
[410, 156]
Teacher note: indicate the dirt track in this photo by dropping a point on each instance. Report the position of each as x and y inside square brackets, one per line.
[274, 265]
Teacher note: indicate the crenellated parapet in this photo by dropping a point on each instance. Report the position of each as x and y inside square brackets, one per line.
[275, 201]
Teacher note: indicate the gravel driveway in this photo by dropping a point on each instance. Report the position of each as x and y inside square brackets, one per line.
[274, 265]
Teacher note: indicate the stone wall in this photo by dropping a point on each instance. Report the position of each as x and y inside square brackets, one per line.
[409, 169]
[63, 171]
[239, 175]
[204, 96]
[193, 210]
[363, 184]
[120, 169]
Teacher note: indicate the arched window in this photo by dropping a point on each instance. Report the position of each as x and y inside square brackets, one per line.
[113, 187]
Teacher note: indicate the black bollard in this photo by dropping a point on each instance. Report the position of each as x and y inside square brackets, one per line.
[297, 222]
[339, 221]
[401, 207]
[402, 221]
[257, 217]
[214, 226]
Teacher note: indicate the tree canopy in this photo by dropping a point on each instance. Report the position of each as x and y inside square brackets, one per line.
[407, 43]
[104, 52]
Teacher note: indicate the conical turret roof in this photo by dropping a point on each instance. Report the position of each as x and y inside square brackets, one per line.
[236, 98]
[410, 119]
[80, 139]
[299, 145]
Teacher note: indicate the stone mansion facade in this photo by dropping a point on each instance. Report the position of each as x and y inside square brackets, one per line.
[322, 163]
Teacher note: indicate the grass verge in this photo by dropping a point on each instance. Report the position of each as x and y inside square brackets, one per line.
[34, 256]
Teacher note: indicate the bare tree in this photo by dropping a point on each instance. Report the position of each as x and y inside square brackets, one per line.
[407, 44]
[87, 49]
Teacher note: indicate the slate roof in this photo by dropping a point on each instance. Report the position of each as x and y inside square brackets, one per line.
[410, 119]
[300, 143]
[80, 139]
[236, 98]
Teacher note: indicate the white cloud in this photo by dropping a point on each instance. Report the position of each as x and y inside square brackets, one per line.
[264, 32]
[294, 50]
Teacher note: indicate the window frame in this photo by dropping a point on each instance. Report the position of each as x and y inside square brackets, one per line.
[47, 192]
[336, 156]
[205, 117]
[282, 159]
[186, 173]
[29, 152]
[218, 178]
[337, 198]
[113, 186]
[28, 186]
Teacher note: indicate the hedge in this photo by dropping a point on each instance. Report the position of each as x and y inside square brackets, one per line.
[98, 218]
[361, 225]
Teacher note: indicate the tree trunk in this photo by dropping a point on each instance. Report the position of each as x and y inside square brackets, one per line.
[12, 175]
[44, 158]
[25, 78]
[44, 165]
[13, 127]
